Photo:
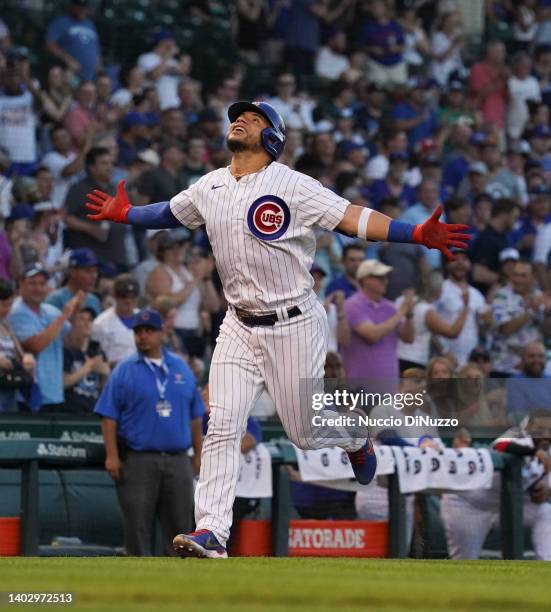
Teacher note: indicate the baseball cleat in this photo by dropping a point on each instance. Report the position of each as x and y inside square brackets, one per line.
[364, 463]
[201, 544]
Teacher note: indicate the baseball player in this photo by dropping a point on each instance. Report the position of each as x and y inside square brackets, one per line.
[469, 516]
[260, 218]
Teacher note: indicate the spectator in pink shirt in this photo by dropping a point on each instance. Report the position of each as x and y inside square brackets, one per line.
[376, 324]
[80, 119]
[488, 85]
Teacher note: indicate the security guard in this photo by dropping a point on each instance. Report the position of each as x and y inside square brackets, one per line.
[151, 415]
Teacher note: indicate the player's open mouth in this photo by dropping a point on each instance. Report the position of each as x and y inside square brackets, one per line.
[238, 128]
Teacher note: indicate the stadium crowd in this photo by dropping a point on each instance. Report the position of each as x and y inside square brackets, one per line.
[400, 106]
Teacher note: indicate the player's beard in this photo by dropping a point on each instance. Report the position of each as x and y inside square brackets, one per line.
[238, 146]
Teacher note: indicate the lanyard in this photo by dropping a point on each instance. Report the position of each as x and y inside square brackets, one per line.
[161, 385]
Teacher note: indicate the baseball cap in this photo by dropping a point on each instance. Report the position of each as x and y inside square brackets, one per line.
[430, 160]
[347, 146]
[479, 353]
[546, 163]
[17, 53]
[521, 147]
[426, 145]
[417, 83]
[149, 156]
[34, 269]
[82, 258]
[147, 318]
[372, 267]
[456, 85]
[134, 118]
[478, 168]
[125, 286]
[539, 190]
[315, 268]
[477, 138]
[541, 131]
[509, 254]
[167, 240]
[344, 113]
[20, 211]
[375, 86]
[107, 269]
[323, 126]
[151, 233]
[463, 121]
[398, 156]
[160, 35]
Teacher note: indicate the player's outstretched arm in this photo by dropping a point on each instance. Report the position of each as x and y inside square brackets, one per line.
[118, 208]
[372, 225]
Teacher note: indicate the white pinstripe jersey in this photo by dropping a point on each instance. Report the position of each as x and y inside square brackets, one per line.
[261, 231]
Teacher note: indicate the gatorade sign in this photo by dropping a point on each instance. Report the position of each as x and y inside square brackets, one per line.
[311, 538]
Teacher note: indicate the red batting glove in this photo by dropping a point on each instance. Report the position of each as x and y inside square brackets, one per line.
[109, 208]
[436, 235]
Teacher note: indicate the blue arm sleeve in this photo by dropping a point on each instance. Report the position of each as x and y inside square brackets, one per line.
[398, 231]
[153, 216]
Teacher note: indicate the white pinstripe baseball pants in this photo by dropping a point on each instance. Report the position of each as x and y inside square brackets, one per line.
[288, 361]
[467, 526]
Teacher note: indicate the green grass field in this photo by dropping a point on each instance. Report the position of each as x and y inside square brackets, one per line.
[283, 584]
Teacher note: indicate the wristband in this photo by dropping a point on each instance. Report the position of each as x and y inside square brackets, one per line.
[362, 223]
[400, 232]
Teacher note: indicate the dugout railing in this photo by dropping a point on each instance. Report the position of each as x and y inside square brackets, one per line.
[32, 443]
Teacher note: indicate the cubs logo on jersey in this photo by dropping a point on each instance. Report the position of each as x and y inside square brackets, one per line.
[268, 217]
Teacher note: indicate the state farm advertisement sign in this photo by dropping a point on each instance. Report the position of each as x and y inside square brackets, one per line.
[308, 538]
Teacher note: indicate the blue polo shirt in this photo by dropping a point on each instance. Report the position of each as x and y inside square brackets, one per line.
[26, 323]
[425, 129]
[130, 397]
[380, 190]
[375, 34]
[79, 39]
[525, 227]
[61, 296]
[455, 170]
[341, 283]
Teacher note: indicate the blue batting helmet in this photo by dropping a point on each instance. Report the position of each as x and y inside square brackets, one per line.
[273, 138]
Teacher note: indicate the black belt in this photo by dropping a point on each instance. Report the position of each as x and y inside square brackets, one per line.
[268, 319]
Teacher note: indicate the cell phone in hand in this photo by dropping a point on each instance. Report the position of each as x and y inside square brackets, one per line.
[93, 349]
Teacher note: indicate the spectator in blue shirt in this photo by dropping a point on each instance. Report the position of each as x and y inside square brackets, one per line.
[427, 201]
[462, 153]
[73, 39]
[40, 328]
[82, 276]
[384, 41]
[152, 416]
[393, 185]
[530, 389]
[133, 138]
[414, 115]
[538, 213]
[352, 256]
